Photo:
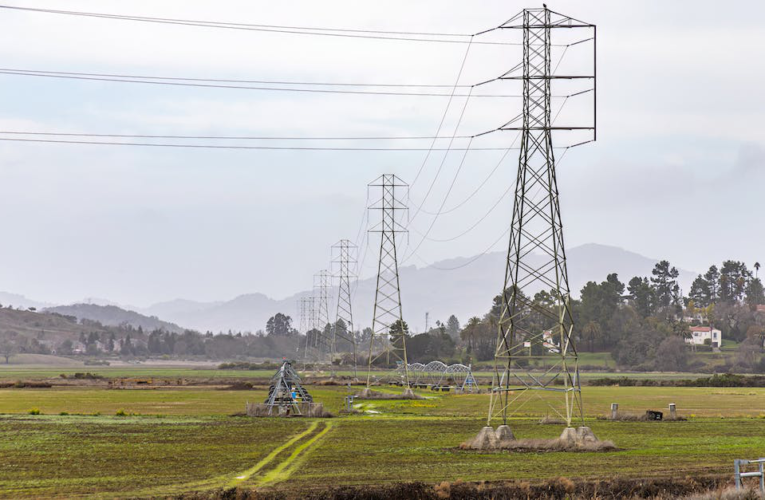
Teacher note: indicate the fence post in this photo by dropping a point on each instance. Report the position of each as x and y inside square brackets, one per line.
[737, 472]
[762, 476]
[672, 411]
[614, 410]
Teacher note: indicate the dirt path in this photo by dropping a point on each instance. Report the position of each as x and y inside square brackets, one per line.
[244, 476]
[285, 469]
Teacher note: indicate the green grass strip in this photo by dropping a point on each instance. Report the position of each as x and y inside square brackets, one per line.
[278, 473]
[248, 473]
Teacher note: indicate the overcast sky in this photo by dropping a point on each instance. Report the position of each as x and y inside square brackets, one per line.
[677, 171]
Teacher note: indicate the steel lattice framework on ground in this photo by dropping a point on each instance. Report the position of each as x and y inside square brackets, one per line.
[286, 392]
[343, 257]
[537, 330]
[387, 309]
[438, 373]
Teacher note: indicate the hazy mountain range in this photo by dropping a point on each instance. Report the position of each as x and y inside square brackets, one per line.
[465, 290]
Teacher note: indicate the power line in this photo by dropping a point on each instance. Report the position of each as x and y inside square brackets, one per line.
[473, 259]
[215, 146]
[411, 36]
[446, 111]
[231, 137]
[157, 81]
[481, 219]
[480, 186]
[229, 80]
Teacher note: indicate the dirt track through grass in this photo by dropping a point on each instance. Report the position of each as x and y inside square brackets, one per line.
[283, 471]
[271, 456]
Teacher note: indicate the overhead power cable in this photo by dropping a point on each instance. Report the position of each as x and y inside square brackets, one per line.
[242, 147]
[197, 83]
[231, 137]
[410, 36]
[229, 80]
[480, 186]
[490, 247]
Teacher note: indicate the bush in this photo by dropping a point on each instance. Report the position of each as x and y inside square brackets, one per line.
[64, 413]
[96, 362]
[121, 413]
[35, 411]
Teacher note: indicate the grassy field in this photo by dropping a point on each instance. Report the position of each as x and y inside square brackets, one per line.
[135, 443]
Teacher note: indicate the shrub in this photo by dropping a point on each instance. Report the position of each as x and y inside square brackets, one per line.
[121, 413]
[35, 411]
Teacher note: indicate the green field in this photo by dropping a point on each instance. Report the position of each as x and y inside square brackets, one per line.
[189, 439]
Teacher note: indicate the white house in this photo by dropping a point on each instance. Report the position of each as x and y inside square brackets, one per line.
[699, 334]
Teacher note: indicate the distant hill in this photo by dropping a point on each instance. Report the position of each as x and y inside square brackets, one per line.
[19, 301]
[465, 291]
[115, 316]
[52, 328]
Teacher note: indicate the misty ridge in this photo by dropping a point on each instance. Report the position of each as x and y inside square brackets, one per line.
[462, 292]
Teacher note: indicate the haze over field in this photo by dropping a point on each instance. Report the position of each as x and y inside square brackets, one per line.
[464, 292]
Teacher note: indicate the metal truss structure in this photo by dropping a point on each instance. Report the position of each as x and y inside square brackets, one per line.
[343, 257]
[286, 394]
[438, 374]
[535, 354]
[323, 337]
[387, 320]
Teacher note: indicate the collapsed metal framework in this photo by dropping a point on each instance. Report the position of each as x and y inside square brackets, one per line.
[286, 394]
[343, 257]
[437, 373]
[529, 329]
[388, 339]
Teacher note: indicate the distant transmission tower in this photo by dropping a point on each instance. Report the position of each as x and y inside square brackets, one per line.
[343, 257]
[307, 324]
[388, 339]
[321, 284]
[535, 355]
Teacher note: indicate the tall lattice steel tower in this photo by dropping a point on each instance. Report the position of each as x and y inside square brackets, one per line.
[388, 339]
[536, 358]
[321, 285]
[343, 258]
[308, 325]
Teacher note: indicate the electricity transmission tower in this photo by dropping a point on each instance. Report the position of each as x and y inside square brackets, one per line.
[343, 257]
[321, 284]
[536, 359]
[307, 324]
[388, 336]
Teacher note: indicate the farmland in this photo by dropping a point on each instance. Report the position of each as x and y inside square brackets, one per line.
[92, 441]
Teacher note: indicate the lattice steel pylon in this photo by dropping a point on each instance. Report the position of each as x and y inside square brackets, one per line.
[321, 285]
[534, 331]
[307, 323]
[343, 257]
[388, 339]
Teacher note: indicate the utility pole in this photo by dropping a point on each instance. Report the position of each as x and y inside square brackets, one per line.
[532, 331]
[343, 257]
[307, 324]
[388, 335]
[427, 322]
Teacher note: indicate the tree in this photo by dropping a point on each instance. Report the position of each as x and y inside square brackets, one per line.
[641, 295]
[712, 278]
[453, 327]
[733, 279]
[8, 348]
[279, 325]
[700, 292]
[664, 280]
[755, 294]
[671, 355]
[756, 269]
